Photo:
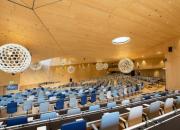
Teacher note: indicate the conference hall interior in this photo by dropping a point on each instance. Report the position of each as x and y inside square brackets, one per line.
[89, 64]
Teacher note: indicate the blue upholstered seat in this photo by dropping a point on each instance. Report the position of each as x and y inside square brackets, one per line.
[59, 104]
[110, 121]
[83, 99]
[111, 105]
[73, 102]
[93, 97]
[27, 105]
[74, 111]
[47, 116]
[44, 107]
[17, 121]
[94, 108]
[76, 125]
[12, 107]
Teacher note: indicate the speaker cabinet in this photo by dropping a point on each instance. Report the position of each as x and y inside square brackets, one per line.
[170, 49]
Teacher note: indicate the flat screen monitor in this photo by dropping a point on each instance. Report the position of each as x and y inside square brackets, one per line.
[12, 87]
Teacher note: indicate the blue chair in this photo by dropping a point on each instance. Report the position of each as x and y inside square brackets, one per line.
[76, 125]
[110, 121]
[59, 104]
[73, 102]
[94, 108]
[11, 108]
[74, 111]
[111, 105]
[27, 106]
[93, 97]
[146, 97]
[17, 121]
[83, 99]
[41, 100]
[44, 107]
[47, 116]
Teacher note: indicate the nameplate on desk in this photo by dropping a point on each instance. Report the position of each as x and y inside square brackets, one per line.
[1, 123]
[79, 119]
[42, 128]
[30, 119]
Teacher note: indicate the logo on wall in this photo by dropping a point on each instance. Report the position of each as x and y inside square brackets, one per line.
[101, 66]
[126, 65]
[71, 69]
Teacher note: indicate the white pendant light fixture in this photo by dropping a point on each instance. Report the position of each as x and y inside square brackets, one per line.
[14, 58]
[71, 69]
[126, 65]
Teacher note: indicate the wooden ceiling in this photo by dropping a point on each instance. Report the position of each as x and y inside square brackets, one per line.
[79, 29]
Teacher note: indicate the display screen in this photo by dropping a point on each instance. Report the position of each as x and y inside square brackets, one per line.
[12, 87]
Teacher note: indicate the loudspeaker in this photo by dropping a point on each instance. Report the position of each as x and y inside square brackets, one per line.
[170, 49]
[165, 60]
[70, 80]
[133, 73]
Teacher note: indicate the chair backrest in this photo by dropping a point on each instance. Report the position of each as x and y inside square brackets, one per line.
[76, 125]
[59, 104]
[12, 107]
[178, 100]
[74, 111]
[109, 94]
[47, 116]
[93, 97]
[125, 102]
[169, 102]
[115, 93]
[73, 102]
[27, 105]
[135, 115]
[154, 106]
[17, 121]
[83, 99]
[41, 99]
[94, 108]
[44, 107]
[153, 109]
[110, 121]
[31, 97]
[168, 105]
[101, 96]
[111, 105]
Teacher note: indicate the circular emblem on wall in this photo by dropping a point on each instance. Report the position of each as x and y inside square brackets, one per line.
[71, 69]
[126, 65]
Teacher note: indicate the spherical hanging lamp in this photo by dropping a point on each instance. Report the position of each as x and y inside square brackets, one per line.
[14, 58]
[126, 65]
[71, 69]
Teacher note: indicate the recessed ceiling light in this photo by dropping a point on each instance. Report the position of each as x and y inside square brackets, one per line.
[159, 52]
[120, 40]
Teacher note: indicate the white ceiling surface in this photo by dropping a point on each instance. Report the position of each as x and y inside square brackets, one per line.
[82, 30]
